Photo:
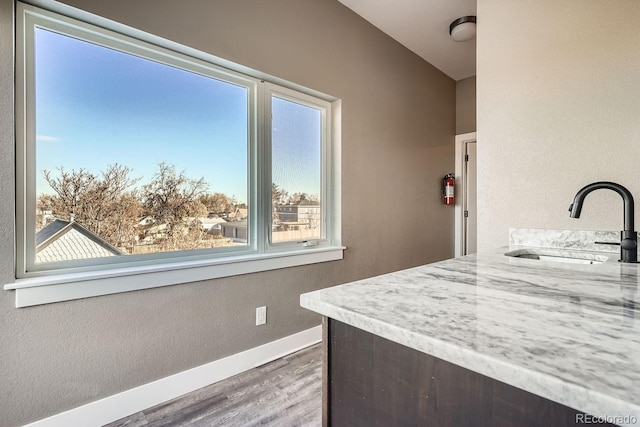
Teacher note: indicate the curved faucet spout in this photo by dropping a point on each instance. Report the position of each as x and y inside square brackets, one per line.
[629, 238]
[627, 197]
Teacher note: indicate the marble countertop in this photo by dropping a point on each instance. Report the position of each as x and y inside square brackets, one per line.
[569, 333]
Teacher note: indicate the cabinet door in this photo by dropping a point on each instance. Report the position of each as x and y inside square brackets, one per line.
[375, 382]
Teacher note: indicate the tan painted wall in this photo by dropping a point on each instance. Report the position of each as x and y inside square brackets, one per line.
[398, 124]
[558, 108]
[466, 105]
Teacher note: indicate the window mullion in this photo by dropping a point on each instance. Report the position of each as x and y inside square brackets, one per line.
[264, 165]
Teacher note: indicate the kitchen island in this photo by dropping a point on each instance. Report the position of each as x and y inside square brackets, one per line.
[484, 339]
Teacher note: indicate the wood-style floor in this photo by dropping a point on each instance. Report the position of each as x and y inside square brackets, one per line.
[285, 393]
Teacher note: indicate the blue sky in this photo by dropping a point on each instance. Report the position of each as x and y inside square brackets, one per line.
[96, 106]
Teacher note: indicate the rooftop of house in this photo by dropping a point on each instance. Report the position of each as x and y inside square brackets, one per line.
[65, 241]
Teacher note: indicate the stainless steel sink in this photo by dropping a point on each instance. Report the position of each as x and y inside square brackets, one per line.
[560, 256]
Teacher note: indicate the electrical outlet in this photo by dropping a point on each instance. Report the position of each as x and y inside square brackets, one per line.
[261, 316]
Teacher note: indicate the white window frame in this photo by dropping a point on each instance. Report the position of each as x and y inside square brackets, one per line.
[69, 281]
[271, 90]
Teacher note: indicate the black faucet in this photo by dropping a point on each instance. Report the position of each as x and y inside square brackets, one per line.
[628, 236]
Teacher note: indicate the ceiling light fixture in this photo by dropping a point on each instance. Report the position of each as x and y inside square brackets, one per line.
[463, 28]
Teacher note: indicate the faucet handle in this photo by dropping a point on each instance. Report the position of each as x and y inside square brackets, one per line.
[608, 243]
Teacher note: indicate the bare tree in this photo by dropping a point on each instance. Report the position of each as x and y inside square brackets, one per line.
[279, 196]
[106, 204]
[72, 189]
[218, 202]
[172, 199]
[297, 198]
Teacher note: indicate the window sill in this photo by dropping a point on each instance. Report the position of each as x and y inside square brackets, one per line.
[65, 287]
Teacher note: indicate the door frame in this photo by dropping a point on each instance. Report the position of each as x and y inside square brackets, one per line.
[460, 190]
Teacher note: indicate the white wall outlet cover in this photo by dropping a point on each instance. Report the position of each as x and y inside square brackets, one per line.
[261, 316]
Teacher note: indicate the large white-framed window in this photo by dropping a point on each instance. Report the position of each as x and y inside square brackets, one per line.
[143, 163]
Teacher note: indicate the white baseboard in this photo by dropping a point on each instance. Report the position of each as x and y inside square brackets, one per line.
[129, 402]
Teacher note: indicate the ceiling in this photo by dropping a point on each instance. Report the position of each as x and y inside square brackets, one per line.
[423, 27]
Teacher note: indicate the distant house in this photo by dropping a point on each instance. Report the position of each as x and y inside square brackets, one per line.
[302, 216]
[216, 228]
[153, 232]
[208, 224]
[44, 217]
[235, 230]
[238, 214]
[66, 241]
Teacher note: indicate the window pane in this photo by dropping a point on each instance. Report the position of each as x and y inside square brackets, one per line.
[134, 156]
[296, 171]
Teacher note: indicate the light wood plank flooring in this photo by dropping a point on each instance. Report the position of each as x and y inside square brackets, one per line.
[286, 392]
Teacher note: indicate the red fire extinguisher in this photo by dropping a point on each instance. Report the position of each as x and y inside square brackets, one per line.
[448, 183]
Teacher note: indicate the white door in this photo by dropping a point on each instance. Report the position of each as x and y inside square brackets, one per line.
[469, 199]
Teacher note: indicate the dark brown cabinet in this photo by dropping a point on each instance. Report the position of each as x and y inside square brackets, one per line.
[371, 381]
